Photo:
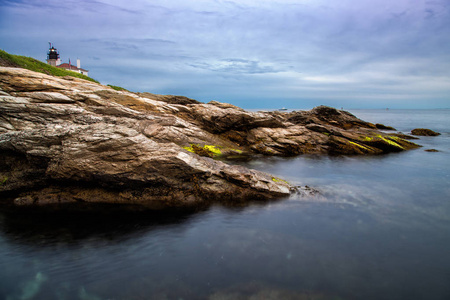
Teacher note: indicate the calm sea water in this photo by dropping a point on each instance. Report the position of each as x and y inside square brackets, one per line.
[379, 230]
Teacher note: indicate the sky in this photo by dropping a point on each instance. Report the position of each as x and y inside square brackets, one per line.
[251, 53]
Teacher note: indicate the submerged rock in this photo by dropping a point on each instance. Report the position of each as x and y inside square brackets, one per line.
[67, 141]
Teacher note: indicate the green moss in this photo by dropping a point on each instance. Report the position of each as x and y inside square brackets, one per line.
[41, 67]
[278, 180]
[368, 139]
[117, 88]
[3, 181]
[326, 133]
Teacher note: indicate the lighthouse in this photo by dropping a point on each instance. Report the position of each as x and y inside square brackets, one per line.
[54, 60]
[53, 56]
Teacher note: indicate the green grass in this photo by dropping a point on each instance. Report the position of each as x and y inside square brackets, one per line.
[117, 88]
[38, 66]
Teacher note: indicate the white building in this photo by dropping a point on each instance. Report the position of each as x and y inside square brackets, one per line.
[70, 67]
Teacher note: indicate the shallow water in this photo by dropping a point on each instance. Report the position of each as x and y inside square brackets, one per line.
[379, 230]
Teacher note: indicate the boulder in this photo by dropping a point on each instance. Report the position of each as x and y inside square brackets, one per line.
[424, 132]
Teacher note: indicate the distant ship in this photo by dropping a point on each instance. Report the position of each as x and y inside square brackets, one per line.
[282, 109]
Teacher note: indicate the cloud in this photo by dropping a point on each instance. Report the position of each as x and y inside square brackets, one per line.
[235, 66]
[58, 6]
[248, 49]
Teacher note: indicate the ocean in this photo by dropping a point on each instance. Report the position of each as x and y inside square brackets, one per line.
[379, 229]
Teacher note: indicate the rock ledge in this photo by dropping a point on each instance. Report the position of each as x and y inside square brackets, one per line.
[67, 141]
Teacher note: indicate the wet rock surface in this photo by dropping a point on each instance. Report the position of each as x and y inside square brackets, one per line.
[67, 141]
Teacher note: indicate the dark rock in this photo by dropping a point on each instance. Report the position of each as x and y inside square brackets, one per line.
[318, 128]
[299, 118]
[325, 115]
[405, 136]
[171, 99]
[431, 150]
[304, 191]
[424, 132]
[384, 127]
[340, 145]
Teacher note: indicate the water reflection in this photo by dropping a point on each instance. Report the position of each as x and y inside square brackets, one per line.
[285, 250]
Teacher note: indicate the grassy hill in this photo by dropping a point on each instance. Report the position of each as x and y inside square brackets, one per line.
[10, 60]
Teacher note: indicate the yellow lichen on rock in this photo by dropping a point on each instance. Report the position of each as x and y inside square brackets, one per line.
[190, 149]
[213, 149]
[205, 150]
[360, 146]
[390, 142]
[237, 151]
[278, 180]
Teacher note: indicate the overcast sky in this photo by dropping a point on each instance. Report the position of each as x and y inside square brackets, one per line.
[251, 53]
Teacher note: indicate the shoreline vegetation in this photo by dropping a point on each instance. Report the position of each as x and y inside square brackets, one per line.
[71, 143]
[29, 63]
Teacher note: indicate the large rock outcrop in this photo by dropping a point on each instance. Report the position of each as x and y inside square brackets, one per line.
[73, 142]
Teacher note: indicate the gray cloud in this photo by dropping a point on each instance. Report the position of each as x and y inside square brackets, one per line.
[247, 50]
[235, 66]
[90, 5]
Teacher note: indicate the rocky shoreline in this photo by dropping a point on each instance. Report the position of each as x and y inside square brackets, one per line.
[70, 142]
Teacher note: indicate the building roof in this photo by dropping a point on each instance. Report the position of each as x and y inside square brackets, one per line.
[71, 67]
